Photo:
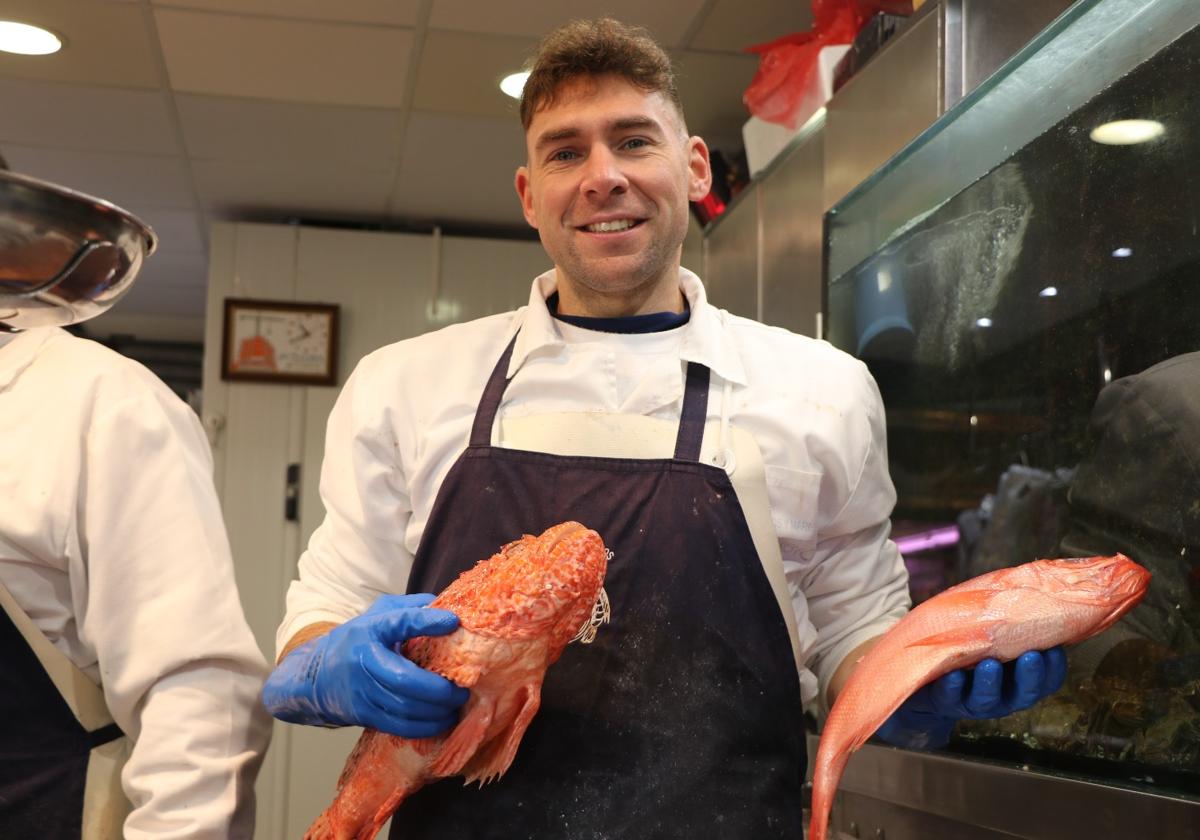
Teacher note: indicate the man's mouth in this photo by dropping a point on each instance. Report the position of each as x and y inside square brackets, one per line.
[614, 226]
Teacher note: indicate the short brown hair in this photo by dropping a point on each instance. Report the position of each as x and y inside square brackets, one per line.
[593, 48]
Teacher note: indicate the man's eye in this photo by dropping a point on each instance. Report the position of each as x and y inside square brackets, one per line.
[563, 154]
[635, 143]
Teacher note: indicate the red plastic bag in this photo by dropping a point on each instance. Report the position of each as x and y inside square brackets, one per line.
[786, 64]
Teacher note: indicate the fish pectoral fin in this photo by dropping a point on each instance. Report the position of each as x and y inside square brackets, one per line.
[466, 738]
[491, 763]
[980, 633]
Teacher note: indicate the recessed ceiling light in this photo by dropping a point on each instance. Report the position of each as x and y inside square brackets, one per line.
[983, 322]
[1049, 291]
[1127, 132]
[1121, 253]
[514, 83]
[23, 39]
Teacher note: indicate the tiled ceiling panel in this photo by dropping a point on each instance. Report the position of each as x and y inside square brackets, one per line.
[81, 117]
[733, 25]
[324, 136]
[443, 86]
[272, 189]
[292, 61]
[124, 180]
[391, 12]
[107, 43]
[668, 21]
[154, 293]
[177, 230]
[460, 168]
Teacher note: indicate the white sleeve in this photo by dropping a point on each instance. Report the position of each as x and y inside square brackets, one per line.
[854, 579]
[180, 670]
[358, 551]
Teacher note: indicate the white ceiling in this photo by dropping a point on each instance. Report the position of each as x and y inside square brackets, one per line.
[379, 112]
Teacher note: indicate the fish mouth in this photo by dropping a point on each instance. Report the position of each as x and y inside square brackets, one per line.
[601, 614]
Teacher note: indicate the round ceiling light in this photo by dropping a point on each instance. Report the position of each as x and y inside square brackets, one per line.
[1127, 132]
[514, 83]
[23, 39]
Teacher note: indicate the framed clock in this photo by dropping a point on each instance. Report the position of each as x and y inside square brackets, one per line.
[279, 341]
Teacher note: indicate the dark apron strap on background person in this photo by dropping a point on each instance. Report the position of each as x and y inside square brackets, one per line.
[683, 718]
[60, 752]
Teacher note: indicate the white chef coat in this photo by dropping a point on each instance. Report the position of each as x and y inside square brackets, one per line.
[405, 415]
[112, 541]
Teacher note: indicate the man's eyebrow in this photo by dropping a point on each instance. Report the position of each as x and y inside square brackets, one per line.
[626, 123]
[553, 136]
[620, 124]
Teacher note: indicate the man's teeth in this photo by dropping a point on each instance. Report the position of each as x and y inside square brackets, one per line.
[609, 227]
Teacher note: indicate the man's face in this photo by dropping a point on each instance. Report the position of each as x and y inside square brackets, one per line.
[607, 186]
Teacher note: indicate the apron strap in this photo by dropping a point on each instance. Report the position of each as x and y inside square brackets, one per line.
[693, 415]
[691, 420]
[489, 404]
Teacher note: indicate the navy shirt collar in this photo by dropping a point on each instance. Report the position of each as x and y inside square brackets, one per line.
[652, 322]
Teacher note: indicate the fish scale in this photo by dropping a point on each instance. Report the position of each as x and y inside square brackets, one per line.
[1000, 615]
[517, 611]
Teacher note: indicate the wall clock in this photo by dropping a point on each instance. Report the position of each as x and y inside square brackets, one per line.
[279, 341]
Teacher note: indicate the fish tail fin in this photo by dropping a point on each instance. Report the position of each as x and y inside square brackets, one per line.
[830, 763]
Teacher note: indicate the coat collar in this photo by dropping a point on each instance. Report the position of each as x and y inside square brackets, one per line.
[705, 338]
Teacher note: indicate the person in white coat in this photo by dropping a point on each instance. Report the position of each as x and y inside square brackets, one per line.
[737, 473]
[129, 696]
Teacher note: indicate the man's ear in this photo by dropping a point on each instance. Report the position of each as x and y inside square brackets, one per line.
[521, 182]
[699, 169]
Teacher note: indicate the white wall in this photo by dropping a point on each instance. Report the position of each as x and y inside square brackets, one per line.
[389, 287]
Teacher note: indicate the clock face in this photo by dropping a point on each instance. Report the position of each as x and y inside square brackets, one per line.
[279, 343]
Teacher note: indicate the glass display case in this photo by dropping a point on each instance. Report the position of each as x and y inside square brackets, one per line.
[1023, 281]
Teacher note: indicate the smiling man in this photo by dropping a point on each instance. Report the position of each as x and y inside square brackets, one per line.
[611, 171]
[737, 472]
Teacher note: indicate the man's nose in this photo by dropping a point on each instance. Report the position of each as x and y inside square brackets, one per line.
[602, 174]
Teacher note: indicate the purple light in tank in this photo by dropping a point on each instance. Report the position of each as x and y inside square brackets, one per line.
[927, 540]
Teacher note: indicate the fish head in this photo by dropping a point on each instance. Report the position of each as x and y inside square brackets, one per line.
[1108, 587]
[542, 586]
[568, 571]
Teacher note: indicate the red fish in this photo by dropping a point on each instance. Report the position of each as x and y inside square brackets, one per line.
[1001, 615]
[517, 611]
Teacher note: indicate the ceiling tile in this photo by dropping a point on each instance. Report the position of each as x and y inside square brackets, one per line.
[460, 72]
[390, 12]
[733, 25]
[711, 87]
[460, 169]
[293, 61]
[124, 180]
[534, 18]
[51, 114]
[267, 188]
[178, 230]
[322, 135]
[106, 44]
[152, 294]
[165, 269]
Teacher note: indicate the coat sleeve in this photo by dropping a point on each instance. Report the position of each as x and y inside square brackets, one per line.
[851, 575]
[180, 669]
[358, 552]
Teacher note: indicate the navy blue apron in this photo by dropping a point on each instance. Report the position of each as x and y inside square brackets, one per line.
[44, 750]
[683, 718]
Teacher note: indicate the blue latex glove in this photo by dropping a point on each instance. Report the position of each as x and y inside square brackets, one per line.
[354, 676]
[991, 690]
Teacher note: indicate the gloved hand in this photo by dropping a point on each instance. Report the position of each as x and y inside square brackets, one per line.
[354, 676]
[991, 690]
